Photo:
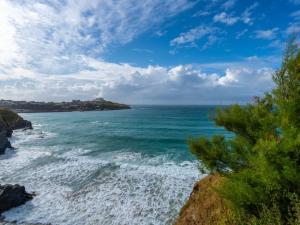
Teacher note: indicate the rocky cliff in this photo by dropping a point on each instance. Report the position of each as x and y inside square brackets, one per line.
[11, 195]
[204, 206]
[10, 121]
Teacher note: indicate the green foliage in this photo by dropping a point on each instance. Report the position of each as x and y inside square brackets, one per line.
[261, 164]
[267, 216]
[8, 118]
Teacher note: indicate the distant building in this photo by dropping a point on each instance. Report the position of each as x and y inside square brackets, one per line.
[99, 100]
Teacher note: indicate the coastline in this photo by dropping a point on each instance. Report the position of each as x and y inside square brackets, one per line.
[98, 104]
[11, 195]
[170, 180]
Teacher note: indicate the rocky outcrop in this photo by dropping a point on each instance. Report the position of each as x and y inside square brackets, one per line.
[12, 196]
[4, 134]
[4, 142]
[10, 121]
[204, 206]
[21, 124]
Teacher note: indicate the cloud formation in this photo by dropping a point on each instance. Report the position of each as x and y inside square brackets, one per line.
[293, 28]
[266, 34]
[228, 4]
[223, 17]
[187, 84]
[192, 36]
[48, 34]
[52, 51]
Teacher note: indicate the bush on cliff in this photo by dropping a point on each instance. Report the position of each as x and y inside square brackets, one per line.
[12, 121]
[9, 117]
[261, 164]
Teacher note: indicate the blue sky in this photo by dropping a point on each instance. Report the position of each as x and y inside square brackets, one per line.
[237, 30]
[143, 52]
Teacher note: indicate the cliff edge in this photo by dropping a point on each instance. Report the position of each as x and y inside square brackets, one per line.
[10, 121]
[204, 206]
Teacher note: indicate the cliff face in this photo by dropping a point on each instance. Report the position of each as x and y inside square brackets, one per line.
[4, 134]
[205, 206]
[11, 195]
[4, 143]
[10, 121]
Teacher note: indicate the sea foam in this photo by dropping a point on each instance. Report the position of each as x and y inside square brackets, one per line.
[127, 167]
[120, 187]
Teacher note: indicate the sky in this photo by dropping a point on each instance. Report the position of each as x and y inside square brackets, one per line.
[143, 52]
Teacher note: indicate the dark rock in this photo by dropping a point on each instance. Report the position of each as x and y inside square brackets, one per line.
[4, 134]
[4, 142]
[21, 124]
[12, 196]
[9, 132]
[10, 121]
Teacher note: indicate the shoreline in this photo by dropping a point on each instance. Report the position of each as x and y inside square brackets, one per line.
[98, 104]
[166, 171]
[11, 195]
[104, 110]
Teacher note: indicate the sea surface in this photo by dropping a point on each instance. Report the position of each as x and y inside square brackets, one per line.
[125, 167]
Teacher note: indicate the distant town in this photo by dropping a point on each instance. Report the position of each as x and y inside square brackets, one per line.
[97, 104]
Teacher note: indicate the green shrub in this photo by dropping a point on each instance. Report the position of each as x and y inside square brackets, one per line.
[261, 163]
[8, 118]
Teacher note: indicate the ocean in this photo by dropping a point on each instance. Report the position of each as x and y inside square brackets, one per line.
[124, 167]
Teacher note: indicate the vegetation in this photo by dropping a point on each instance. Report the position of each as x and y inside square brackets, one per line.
[261, 164]
[8, 118]
[97, 104]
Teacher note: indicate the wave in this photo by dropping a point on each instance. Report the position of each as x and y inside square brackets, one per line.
[94, 176]
[114, 188]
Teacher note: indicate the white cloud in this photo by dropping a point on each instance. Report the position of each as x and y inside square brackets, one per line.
[51, 36]
[201, 13]
[293, 28]
[246, 16]
[241, 33]
[191, 37]
[187, 84]
[52, 51]
[277, 44]
[296, 15]
[266, 34]
[228, 4]
[225, 18]
[229, 19]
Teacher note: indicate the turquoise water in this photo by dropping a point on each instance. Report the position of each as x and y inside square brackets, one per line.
[111, 167]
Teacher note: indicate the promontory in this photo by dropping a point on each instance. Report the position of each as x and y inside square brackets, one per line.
[97, 104]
